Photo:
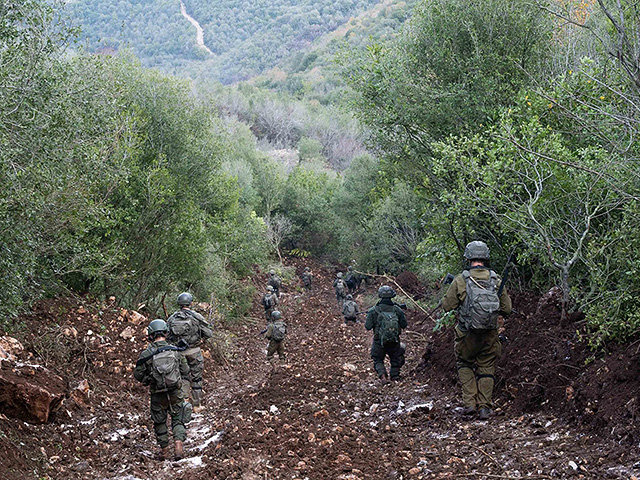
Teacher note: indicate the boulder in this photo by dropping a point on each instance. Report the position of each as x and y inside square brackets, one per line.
[29, 392]
[10, 348]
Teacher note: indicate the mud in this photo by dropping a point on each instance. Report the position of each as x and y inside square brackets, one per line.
[559, 412]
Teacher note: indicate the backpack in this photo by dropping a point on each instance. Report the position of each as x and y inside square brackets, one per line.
[268, 301]
[388, 327]
[481, 307]
[184, 326]
[339, 285]
[278, 331]
[306, 278]
[165, 369]
[349, 309]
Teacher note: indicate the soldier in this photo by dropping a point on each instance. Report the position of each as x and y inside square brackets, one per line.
[477, 346]
[190, 327]
[276, 333]
[351, 280]
[387, 321]
[307, 278]
[341, 288]
[163, 368]
[350, 310]
[269, 302]
[275, 282]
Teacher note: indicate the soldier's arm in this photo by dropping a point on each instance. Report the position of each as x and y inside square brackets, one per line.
[141, 373]
[184, 367]
[451, 300]
[505, 301]
[269, 331]
[371, 314]
[402, 318]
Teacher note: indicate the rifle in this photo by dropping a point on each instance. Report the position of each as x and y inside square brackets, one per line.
[505, 273]
[263, 332]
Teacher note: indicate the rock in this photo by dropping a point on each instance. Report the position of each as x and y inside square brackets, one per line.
[349, 367]
[573, 465]
[10, 348]
[29, 393]
[415, 471]
[127, 333]
[132, 316]
[80, 392]
[70, 332]
[82, 311]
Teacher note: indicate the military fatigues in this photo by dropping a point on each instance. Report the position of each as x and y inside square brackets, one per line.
[164, 402]
[276, 283]
[275, 346]
[307, 279]
[394, 350]
[476, 350]
[349, 311]
[269, 302]
[193, 354]
[352, 281]
[341, 292]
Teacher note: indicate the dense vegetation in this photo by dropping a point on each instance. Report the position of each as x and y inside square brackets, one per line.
[492, 119]
[246, 38]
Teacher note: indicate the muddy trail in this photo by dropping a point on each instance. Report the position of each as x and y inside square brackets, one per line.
[324, 415]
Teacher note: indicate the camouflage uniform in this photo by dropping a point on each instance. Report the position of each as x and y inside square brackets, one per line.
[275, 346]
[351, 279]
[193, 354]
[276, 282]
[163, 402]
[476, 351]
[269, 302]
[394, 350]
[346, 307]
[341, 293]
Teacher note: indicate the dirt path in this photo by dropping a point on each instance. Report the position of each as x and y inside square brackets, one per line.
[324, 416]
[195, 23]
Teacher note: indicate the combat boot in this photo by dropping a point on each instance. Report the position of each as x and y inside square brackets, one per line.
[163, 453]
[484, 413]
[384, 380]
[179, 446]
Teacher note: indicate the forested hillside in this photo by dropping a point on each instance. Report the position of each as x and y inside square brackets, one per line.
[246, 38]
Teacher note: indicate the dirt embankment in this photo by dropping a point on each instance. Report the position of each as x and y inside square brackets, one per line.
[325, 416]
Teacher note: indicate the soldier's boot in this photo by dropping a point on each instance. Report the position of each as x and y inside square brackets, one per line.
[384, 379]
[196, 397]
[163, 453]
[179, 450]
[283, 361]
[274, 365]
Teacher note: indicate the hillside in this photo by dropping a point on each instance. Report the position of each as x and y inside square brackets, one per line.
[324, 415]
[241, 39]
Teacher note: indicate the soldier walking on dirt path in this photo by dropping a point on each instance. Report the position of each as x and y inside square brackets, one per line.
[275, 281]
[276, 333]
[474, 293]
[307, 278]
[341, 289]
[163, 368]
[387, 320]
[269, 302]
[350, 310]
[190, 327]
[351, 280]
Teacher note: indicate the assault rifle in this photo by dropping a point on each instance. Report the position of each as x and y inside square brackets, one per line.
[505, 273]
[263, 332]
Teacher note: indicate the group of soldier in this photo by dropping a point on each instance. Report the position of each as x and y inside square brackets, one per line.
[172, 365]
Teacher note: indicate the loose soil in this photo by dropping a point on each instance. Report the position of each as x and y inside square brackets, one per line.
[559, 412]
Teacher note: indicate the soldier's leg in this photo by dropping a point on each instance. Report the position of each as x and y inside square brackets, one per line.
[464, 349]
[377, 355]
[159, 407]
[196, 366]
[281, 354]
[179, 415]
[396, 356]
[271, 350]
[492, 348]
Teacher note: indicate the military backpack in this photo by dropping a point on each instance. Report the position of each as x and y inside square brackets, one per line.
[388, 327]
[350, 309]
[268, 300]
[182, 325]
[481, 306]
[165, 369]
[340, 285]
[278, 331]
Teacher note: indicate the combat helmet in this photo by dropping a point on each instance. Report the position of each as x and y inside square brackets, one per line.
[272, 272]
[339, 275]
[276, 315]
[385, 291]
[157, 327]
[269, 288]
[476, 250]
[349, 297]
[350, 268]
[185, 299]
[306, 269]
